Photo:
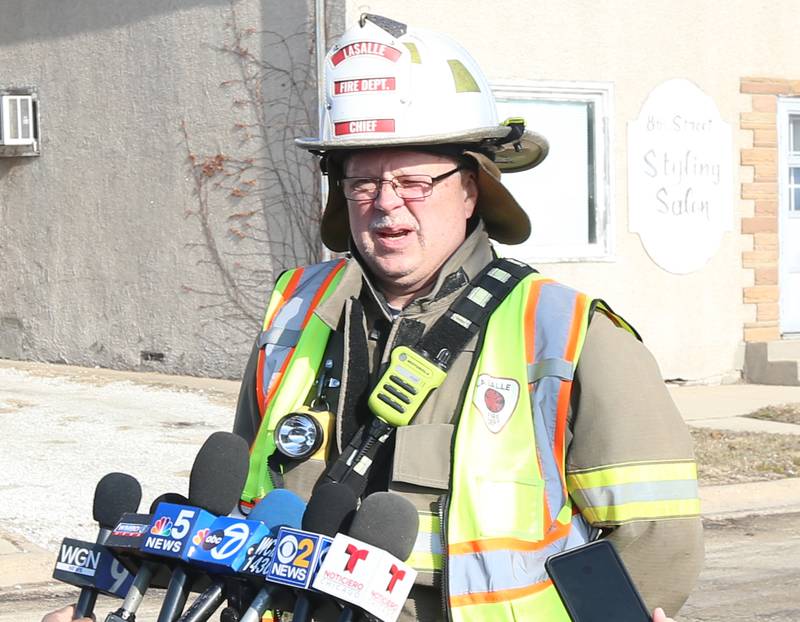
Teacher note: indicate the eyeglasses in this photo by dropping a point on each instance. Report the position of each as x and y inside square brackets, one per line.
[406, 186]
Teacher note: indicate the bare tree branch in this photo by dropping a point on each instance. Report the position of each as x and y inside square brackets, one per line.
[257, 207]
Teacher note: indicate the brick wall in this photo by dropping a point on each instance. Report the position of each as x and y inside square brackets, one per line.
[759, 193]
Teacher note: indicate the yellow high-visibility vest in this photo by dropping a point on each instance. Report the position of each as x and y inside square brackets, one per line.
[292, 343]
[511, 503]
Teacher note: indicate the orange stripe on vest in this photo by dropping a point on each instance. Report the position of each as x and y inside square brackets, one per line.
[496, 544]
[482, 598]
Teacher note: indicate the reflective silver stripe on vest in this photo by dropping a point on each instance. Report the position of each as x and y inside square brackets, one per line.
[561, 368]
[426, 556]
[508, 570]
[493, 571]
[554, 313]
[636, 492]
[279, 337]
[429, 542]
[580, 532]
[284, 331]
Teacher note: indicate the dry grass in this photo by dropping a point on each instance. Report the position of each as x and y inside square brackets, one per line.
[784, 413]
[734, 457]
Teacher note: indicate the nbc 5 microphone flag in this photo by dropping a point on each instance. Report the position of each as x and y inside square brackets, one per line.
[172, 529]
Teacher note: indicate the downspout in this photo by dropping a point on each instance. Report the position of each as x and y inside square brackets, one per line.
[320, 49]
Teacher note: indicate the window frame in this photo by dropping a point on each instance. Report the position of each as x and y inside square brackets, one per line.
[787, 107]
[19, 147]
[601, 96]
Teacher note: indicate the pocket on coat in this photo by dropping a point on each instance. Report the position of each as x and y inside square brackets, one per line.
[422, 455]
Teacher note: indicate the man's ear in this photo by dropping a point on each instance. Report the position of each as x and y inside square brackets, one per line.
[470, 185]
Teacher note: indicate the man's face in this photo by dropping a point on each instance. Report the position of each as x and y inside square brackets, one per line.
[406, 241]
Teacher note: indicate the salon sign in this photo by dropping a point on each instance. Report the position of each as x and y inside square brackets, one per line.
[680, 191]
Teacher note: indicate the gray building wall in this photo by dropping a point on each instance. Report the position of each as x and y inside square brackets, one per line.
[148, 232]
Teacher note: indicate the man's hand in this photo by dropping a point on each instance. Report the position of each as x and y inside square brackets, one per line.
[658, 616]
[64, 615]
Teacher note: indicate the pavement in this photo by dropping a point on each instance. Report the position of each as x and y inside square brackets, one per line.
[65, 427]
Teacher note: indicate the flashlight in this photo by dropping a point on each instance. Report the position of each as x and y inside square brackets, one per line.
[299, 435]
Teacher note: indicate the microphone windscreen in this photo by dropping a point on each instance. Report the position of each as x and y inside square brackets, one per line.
[219, 473]
[388, 521]
[115, 494]
[330, 509]
[280, 508]
[168, 497]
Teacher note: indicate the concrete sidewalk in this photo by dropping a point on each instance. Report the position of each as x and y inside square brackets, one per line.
[60, 410]
[723, 406]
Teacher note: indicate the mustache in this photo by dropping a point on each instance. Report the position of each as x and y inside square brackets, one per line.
[386, 221]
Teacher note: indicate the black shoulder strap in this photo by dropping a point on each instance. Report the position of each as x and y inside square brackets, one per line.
[470, 312]
[448, 336]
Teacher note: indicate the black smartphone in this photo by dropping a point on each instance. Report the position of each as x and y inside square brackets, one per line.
[595, 586]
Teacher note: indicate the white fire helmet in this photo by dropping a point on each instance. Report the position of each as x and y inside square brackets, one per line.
[390, 85]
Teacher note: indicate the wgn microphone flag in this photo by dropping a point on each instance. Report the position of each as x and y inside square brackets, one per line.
[92, 566]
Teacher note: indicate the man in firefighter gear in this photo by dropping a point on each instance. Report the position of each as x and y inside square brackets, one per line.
[551, 425]
[548, 425]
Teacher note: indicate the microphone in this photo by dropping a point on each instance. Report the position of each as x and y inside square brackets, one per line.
[364, 568]
[215, 485]
[229, 543]
[86, 564]
[385, 514]
[288, 514]
[126, 539]
[330, 510]
[115, 494]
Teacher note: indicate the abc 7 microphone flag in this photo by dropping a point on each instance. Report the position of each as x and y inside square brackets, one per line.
[365, 576]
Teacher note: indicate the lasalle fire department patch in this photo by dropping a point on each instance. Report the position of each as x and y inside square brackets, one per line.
[496, 399]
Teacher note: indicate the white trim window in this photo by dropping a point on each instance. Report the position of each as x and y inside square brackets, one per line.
[568, 197]
[17, 116]
[789, 213]
[792, 157]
